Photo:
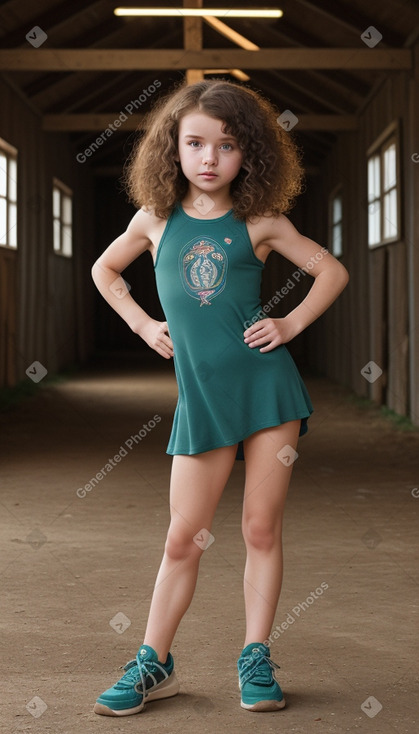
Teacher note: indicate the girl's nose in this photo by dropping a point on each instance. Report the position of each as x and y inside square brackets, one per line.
[208, 157]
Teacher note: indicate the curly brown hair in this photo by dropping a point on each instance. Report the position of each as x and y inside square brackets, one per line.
[271, 173]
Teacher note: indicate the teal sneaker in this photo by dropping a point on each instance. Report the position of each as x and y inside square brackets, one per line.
[259, 689]
[145, 679]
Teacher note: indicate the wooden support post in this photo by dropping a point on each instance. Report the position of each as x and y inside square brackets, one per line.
[192, 39]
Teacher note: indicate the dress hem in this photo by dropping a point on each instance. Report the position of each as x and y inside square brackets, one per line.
[270, 424]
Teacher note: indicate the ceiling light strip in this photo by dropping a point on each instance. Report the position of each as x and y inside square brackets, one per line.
[199, 12]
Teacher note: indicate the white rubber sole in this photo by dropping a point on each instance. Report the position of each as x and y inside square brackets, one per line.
[264, 705]
[166, 689]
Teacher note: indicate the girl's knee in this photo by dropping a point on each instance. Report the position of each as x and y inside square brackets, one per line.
[181, 545]
[261, 533]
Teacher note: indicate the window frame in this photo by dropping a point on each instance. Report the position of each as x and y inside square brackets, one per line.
[336, 192]
[65, 193]
[390, 136]
[10, 153]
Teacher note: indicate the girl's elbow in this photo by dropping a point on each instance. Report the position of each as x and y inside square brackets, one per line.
[97, 267]
[93, 270]
[344, 276]
[341, 278]
[96, 271]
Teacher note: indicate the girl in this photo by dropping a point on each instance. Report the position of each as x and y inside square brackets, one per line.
[213, 175]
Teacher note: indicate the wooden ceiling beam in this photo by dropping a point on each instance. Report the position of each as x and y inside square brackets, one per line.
[125, 120]
[267, 58]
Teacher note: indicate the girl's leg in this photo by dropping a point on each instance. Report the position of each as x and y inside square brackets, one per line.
[196, 485]
[267, 480]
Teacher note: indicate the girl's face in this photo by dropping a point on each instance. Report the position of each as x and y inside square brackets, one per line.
[209, 158]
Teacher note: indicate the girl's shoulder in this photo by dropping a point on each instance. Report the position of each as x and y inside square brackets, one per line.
[146, 221]
[265, 231]
[148, 214]
[267, 226]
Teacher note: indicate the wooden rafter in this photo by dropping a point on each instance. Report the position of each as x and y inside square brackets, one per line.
[63, 91]
[47, 90]
[99, 97]
[329, 103]
[341, 85]
[267, 58]
[55, 17]
[102, 121]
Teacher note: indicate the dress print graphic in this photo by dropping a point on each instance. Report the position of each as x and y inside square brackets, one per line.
[203, 267]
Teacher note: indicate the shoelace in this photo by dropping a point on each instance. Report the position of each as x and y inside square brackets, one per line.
[251, 668]
[138, 667]
[131, 675]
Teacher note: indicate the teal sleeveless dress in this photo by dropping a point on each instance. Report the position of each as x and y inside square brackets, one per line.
[208, 280]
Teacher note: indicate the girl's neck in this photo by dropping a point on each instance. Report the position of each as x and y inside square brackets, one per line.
[206, 206]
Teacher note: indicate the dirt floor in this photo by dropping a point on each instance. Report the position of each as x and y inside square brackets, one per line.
[77, 572]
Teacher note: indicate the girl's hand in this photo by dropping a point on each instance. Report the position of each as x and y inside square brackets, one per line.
[156, 335]
[271, 332]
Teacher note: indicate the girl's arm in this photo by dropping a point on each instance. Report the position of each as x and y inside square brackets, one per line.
[106, 273]
[330, 276]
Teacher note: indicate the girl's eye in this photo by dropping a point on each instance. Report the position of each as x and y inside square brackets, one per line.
[224, 146]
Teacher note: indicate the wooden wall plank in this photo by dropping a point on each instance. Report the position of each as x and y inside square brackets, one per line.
[378, 313]
[397, 388]
[8, 305]
[52, 323]
[377, 321]
[411, 198]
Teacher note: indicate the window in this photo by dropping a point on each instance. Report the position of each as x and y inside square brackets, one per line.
[62, 204]
[335, 219]
[8, 195]
[383, 192]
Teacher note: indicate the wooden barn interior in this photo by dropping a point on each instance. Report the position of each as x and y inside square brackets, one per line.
[76, 81]
[87, 406]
